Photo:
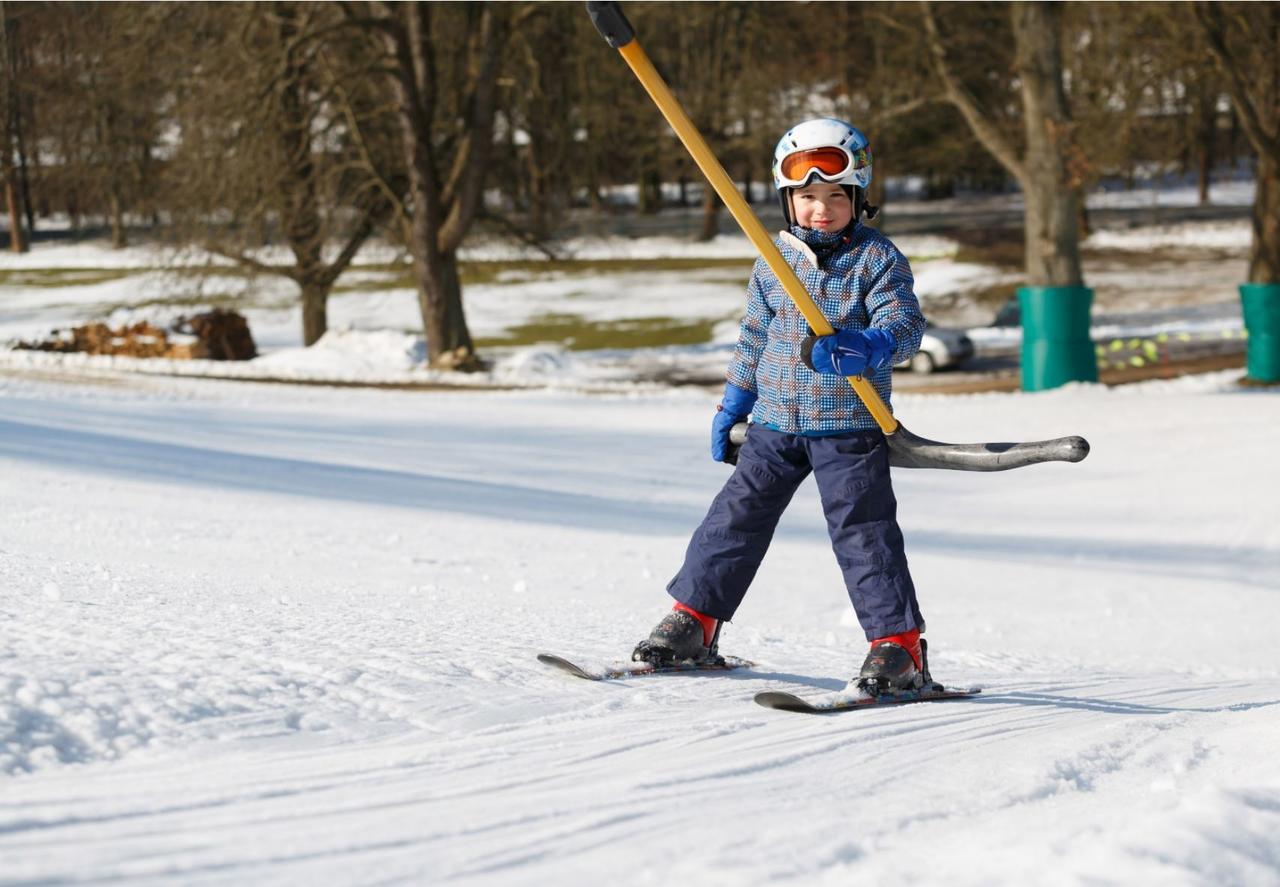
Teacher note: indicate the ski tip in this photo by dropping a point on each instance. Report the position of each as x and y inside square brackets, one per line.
[782, 701]
[566, 666]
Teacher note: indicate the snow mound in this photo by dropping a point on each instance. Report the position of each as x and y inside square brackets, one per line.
[541, 363]
[350, 354]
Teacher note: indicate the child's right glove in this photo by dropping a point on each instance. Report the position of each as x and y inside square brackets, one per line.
[848, 352]
[735, 407]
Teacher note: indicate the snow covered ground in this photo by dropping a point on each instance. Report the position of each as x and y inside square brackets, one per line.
[263, 634]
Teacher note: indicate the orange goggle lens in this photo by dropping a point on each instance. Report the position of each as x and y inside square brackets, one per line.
[828, 161]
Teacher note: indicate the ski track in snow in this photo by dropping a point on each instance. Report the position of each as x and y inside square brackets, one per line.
[253, 634]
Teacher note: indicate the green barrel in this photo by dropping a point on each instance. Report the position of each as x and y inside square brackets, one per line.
[1056, 347]
[1261, 303]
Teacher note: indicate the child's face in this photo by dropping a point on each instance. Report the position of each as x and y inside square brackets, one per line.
[822, 207]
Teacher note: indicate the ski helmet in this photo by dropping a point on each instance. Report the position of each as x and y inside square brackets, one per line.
[826, 149]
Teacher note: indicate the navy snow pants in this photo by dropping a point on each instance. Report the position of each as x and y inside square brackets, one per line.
[852, 471]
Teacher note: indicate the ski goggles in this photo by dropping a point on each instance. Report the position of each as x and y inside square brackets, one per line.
[831, 163]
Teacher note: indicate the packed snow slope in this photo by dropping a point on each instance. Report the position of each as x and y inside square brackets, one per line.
[255, 634]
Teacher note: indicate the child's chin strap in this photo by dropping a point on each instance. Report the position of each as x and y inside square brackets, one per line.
[861, 205]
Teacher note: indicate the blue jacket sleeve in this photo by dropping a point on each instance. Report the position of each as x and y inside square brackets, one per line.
[892, 304]
[753, 332]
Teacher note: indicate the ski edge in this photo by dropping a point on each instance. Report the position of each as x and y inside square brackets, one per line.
[783, 701]
[619, 670]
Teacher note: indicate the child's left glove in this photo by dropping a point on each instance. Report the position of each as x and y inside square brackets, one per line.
[848, 352]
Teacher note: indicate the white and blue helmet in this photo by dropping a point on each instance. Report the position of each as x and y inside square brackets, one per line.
[826, 149]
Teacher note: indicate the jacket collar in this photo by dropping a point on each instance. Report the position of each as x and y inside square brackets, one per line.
[819, 246]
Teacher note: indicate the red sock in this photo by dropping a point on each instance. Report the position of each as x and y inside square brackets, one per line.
[709, 623]
[909, 640]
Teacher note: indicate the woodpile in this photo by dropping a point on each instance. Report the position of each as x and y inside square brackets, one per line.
[212, 335]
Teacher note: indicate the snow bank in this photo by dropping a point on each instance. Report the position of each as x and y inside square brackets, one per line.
[348, 354]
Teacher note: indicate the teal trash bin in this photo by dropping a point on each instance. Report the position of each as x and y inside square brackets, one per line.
[1056, 347]
[1261, 303]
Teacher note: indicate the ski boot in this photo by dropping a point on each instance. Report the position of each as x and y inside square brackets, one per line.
[681, 636]
[896, 664]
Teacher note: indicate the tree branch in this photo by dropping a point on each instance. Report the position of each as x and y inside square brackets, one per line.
[368, 222]
[242, 258]
[1265, 139]
[391, 194]
[463, 189]
[909, 106]
[524, 236]
[955, 93]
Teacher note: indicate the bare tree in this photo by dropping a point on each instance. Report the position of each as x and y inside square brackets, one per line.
[276, 134]
[442, 61]
[10, 128]
[1047, 164]
[538, 100]
[1244, 39]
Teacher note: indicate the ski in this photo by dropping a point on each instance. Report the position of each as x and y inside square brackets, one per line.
[852, 697]
[613, 670]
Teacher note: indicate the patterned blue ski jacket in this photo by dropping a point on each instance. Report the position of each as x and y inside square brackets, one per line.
[859, 279]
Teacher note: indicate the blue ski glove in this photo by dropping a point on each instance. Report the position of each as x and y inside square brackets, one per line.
[735, 407]
[848, 352]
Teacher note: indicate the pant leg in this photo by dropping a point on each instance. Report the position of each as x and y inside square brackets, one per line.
[727, 547]
[852, 472]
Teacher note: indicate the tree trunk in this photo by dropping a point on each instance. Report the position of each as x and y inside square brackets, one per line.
[1051, 190]
[1204, 164]
[73, 212]
[17, 235]
[1246, 46]
[710, 215]
[315, 311]
[119, 239]
[449, 343]
[1052, 219]
[644, 202]
[1264, 252]
[23, 178]
[8, 129]
[444, 192]
[302, 218]
[1206, 135]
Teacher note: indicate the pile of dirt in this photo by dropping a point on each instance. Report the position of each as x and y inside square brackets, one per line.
[213, 335]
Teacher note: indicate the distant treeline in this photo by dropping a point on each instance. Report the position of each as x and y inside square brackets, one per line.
[314, 125]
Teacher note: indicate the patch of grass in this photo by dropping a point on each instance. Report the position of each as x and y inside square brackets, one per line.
[232, 301]
[58, 277]
[579, 334]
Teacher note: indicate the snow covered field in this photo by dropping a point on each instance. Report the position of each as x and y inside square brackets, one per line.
[1170, 278]
[261, 634]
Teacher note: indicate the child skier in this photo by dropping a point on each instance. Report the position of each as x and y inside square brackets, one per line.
[808, 418]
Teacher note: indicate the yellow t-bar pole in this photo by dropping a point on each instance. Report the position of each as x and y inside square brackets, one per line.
[614, 27]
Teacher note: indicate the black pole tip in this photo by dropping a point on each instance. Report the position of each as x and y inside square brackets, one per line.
[611, 23]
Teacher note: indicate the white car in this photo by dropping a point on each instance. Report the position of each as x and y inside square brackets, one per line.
[939, 348]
